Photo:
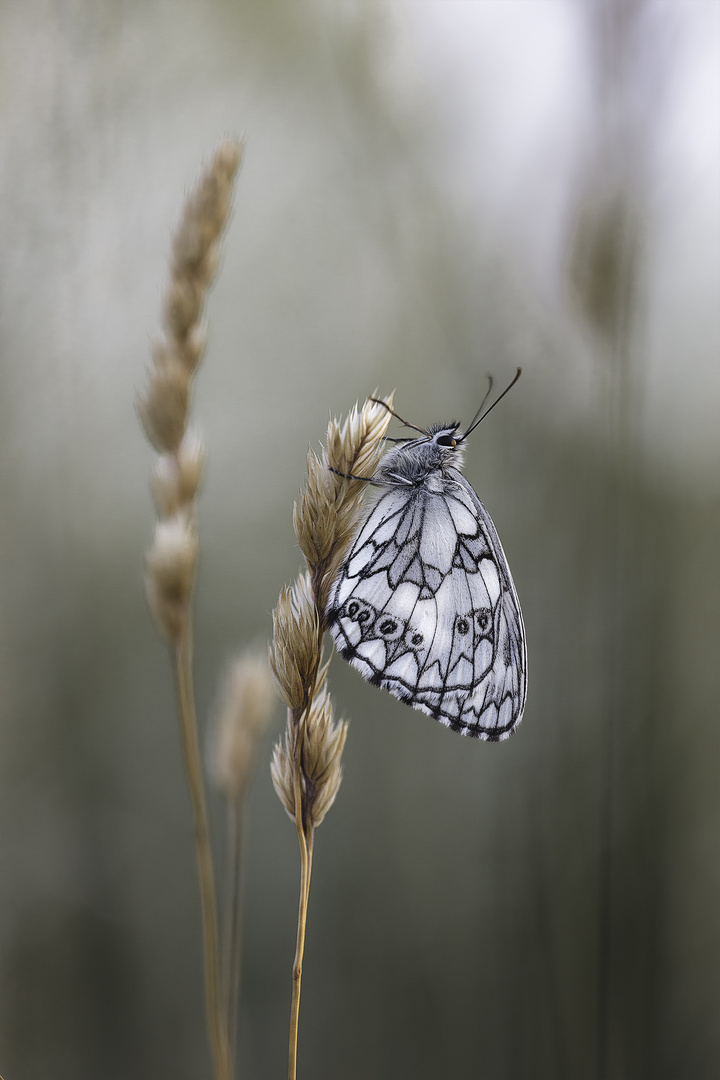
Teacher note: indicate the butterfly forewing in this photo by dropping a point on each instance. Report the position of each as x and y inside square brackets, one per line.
[424, 606]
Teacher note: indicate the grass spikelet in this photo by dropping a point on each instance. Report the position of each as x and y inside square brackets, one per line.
[306, 766]
[170, 569]
[246, 706]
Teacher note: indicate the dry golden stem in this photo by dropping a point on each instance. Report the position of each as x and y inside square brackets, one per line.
[306, 850]
[232, 922]
[246, 707]
[182, 662]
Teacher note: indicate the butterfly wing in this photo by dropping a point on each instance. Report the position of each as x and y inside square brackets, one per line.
[425, 606]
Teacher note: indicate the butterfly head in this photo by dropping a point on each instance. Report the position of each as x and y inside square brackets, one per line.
[446, 443]
[413, 461]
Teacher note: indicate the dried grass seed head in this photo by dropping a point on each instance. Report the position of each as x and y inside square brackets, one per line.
[183, 305]
[282, 770]
[187, 351]
[314, 513]
[163, 405]
[295, 655]
[356, 446]
[204, 216]
[325, 518]
[321, 751]
[354, 449]
[327, 512]
[196, 251]
[177, 477]
[310, 753]
[170, 572]
[326, 792]
[246, 707]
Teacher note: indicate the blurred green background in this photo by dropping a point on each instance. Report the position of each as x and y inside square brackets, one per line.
[431, 191]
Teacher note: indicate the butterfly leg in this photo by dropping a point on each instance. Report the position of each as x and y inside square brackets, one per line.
[367, 479]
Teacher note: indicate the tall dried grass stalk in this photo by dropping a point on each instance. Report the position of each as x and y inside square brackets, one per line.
[170, 565]
[306, 766]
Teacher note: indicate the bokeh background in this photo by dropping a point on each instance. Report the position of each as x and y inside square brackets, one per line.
[431, 191]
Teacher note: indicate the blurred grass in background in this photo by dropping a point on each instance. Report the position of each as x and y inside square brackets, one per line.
[429, 192]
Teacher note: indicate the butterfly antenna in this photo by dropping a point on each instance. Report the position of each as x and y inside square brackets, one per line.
[488, 392]
[397, 417]
[479, 418]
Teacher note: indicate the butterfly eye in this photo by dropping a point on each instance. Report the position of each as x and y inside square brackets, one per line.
[447, 440]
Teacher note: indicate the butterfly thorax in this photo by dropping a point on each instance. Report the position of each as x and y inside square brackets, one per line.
[423, 462]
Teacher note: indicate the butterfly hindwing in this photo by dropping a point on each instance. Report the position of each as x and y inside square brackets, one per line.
[424, 606]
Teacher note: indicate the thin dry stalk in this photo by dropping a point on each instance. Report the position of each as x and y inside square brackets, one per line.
[245, 711]
[306, 766]
[170, 565]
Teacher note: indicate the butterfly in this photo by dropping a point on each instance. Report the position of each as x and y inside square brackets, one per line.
[424, 604]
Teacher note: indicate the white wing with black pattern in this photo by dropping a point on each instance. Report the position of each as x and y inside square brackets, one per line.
[425, 607]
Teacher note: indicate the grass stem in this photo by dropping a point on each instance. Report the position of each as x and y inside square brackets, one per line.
[306, 849]
[232, 920]
[217, 1027]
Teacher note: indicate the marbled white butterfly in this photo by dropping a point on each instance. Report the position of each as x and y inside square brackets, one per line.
[424, 604]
